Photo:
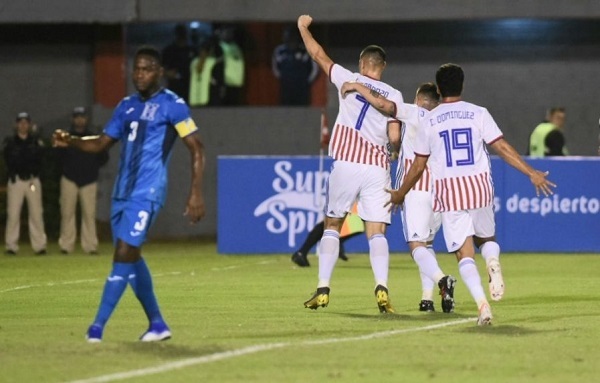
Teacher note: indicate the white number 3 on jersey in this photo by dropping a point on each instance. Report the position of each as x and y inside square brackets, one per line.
[141, 224]
[133, 134]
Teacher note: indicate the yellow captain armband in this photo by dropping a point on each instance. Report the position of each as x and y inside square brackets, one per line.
[186, 127]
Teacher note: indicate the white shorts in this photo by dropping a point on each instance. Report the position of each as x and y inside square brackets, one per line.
[364, 184]
[458, 225]
[419, 221]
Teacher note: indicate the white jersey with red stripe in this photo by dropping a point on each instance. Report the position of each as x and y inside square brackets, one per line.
[454, 136]
[360, 131]
[410, 116]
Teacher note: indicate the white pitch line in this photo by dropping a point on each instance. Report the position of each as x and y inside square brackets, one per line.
[62, 283]
[255, 349]
[49, 284]
[231, 267]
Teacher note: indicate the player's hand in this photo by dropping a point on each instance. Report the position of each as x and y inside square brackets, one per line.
[396, 200]
[348, 87]
[60, 138]
[304, 21]
[538, 179]
[195, 209]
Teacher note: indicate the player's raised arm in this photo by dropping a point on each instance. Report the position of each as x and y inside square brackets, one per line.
[510, 155]
[91, 144]
[314, 49]
[380, 103]
[195, 208]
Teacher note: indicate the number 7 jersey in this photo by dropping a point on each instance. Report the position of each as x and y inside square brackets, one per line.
[360, 131]
[454, 135]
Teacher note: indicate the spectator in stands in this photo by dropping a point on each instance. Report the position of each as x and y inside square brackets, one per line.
[79, 183]
[294, 68]
[547, 139]
[23, 157]
[207, 83]
[177, 58]
[234, 65]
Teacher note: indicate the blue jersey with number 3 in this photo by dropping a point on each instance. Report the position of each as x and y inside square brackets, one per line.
[147, 130]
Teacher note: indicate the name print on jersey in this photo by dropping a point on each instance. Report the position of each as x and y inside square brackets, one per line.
[451, 115]
[382, 92]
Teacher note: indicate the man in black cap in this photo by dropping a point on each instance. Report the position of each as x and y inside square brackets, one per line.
[79, 182]
[23, 157]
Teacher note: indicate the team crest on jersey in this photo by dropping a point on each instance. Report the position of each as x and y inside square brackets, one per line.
[149, 111]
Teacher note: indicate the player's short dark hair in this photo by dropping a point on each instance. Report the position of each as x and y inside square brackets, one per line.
[429, 90]
[449, 78]
[374, 53]
[150, 51]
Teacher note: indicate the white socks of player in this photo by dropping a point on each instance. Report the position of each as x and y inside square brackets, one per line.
[491, 253]
[379, 253]
[328, 255]
[428, 284]
[427, 264]
[490, 250]
[470, 276]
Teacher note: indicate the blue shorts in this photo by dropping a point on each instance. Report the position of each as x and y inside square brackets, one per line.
[131, 220]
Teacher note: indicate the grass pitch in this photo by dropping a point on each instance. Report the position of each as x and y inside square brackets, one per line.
[241, 319]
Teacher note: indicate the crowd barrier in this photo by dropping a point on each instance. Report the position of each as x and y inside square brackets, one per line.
[268, 204]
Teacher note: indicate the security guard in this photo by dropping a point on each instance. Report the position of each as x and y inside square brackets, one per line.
[23, 157]
[547, 139]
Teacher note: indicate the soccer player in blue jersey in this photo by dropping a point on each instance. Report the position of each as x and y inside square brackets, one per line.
[147, 123]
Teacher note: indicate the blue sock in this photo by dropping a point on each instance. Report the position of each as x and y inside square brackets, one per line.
[114, 287]
[144, 291]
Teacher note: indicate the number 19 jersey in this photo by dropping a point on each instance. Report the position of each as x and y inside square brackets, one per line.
[360, 131]
[454, 135]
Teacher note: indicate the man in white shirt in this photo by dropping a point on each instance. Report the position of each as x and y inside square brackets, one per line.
[361, 168]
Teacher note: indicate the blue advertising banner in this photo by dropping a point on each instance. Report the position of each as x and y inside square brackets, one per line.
[268, 204]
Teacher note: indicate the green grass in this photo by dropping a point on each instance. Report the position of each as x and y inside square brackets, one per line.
[546, 329]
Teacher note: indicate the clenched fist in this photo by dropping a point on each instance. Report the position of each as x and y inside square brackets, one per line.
[304, 21]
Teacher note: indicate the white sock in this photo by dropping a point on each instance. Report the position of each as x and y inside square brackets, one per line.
[328, 256]
[490, 250]
[430, 249]
[379, 252]
[470, 276]
[427, 264]
[427, 285]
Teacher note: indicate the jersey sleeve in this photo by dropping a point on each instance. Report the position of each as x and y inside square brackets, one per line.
[397, 99]
[339, 75]
[421, 145]
[490, 131]
[407, 112]
[116, 126]
[180, 118]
